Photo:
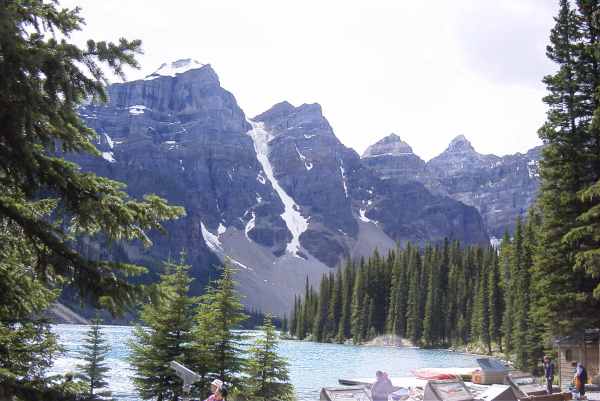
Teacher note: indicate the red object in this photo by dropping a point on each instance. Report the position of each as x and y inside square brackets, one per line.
[432, 375]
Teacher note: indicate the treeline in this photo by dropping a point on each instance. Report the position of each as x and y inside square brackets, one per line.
[442, 295]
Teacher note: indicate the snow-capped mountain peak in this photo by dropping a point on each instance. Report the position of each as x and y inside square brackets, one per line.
[176, 67]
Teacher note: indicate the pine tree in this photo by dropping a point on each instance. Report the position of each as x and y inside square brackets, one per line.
[413, 316]
[431, 316]
[495, 301]
[334, 313]
[27, 344]
[44, 80]
[319, 328]
[506, 271]
[284, 324]
[570, 166]
[167, 332]
[358, 309]
[520, 296]
[94, 371]
[219, 314]
[267, 375]
[346, 315]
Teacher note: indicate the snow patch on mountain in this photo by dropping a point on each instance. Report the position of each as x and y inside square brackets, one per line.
[174, 68]
[250, 225]
[343, 172]
[295, 222]
[137, 109]
[308, 165]
[211, 240]
[109, 140]
[363, 217]
[109, 157]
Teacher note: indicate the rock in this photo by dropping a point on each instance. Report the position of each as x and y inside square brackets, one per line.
[501, 188]
[279, 194]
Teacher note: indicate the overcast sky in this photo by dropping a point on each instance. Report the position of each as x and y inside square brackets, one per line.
[425, 70]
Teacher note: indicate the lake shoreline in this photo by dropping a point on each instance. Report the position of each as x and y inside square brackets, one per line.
[399, 342]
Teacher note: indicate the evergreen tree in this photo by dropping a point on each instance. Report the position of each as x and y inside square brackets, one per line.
[520, 286]
[346, 314]
[94, 371]
[319, 328]
[219, 314]
[495, 301]
[27, 344]
[358, 308]
[431, 316]
[44, 79]
[506, 270]
[284, 324]
[167, 332]
[413, 315]
[267, 375]
[569, 170]
[335, 304]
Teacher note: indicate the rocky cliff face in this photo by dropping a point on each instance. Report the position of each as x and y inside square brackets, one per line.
[501, 188]
[279, 195]
[393, 158]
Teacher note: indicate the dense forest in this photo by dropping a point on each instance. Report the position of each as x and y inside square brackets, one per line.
[444, 295]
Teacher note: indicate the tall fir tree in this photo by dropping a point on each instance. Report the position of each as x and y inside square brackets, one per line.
[346, 314]
[358, 321]
[570, 166]
[319, 328]
[267, 373]
[45, 77]
[95, 371]
[495, 301]
[413, 314]
[168, 323]
[27, 343]
[221, 313]
[334, 314]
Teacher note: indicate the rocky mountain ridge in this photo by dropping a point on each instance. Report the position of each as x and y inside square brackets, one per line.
[501, 188]
[278, 195]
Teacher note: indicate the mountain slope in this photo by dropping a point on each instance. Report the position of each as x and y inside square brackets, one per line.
[501, 188]
[279, 194]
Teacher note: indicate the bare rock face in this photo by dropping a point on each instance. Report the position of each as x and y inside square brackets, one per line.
[393, 158]
[278, 194]
[501, 188]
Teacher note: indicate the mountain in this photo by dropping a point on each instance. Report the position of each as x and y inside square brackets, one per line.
[501, 188]
[393, 158]
[278, 194]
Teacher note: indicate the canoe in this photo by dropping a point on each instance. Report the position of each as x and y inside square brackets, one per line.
[444, 373]
[405, 382]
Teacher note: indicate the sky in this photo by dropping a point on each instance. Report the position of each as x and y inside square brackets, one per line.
[425, 70]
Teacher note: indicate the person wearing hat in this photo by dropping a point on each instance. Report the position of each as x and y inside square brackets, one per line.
[222, 392]
[215, 385]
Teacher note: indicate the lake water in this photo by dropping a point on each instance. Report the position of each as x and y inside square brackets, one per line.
[312, 365]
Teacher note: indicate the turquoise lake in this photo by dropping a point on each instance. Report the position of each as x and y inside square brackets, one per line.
[312, 365]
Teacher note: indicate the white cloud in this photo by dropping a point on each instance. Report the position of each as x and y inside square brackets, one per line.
[425, 70]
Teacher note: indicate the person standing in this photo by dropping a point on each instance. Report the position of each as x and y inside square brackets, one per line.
[580, 379]
[214, 388]
[549, 373]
